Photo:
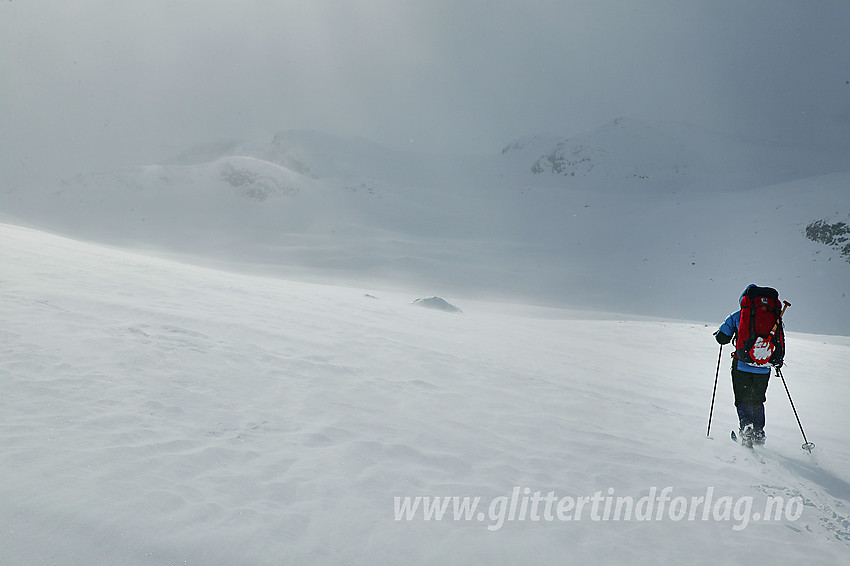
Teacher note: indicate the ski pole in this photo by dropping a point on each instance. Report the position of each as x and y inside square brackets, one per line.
[713, 393]
[806, 444]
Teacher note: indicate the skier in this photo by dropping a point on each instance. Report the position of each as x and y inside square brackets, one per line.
[749, 380]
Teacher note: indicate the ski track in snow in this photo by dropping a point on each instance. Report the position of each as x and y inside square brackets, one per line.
[159, 413]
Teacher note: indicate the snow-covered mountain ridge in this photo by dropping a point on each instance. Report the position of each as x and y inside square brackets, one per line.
[632, 217]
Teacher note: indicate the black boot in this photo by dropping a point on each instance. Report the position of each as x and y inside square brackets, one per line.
[746, 434]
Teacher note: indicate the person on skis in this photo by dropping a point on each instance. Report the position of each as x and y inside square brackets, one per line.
[750, 380]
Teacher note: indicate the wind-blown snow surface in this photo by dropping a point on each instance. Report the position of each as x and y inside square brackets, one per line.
[159, 413]
[658, 219]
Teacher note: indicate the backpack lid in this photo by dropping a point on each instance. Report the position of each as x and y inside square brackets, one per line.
[754, 291]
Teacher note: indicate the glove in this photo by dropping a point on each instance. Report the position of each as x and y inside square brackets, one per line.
[722, 338]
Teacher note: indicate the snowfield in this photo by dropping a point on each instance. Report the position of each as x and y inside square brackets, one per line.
[156, 412]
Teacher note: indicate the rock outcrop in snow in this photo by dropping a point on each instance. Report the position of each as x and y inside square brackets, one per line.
[437, 303]
[835, 235]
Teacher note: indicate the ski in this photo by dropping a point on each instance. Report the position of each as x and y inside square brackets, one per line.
[748, 442]
[743, 442]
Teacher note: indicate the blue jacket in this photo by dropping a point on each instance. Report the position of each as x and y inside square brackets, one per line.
[730, 328]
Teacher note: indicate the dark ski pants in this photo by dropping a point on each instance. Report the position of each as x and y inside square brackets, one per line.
[750, 394]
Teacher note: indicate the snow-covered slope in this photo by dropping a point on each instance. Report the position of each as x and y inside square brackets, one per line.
[637, 217]
[159, 413]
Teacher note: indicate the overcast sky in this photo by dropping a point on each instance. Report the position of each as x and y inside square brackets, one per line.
[99, 84]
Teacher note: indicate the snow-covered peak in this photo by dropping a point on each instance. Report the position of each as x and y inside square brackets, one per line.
[533, 144]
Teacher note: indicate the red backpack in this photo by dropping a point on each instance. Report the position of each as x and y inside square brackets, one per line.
[761, 336]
